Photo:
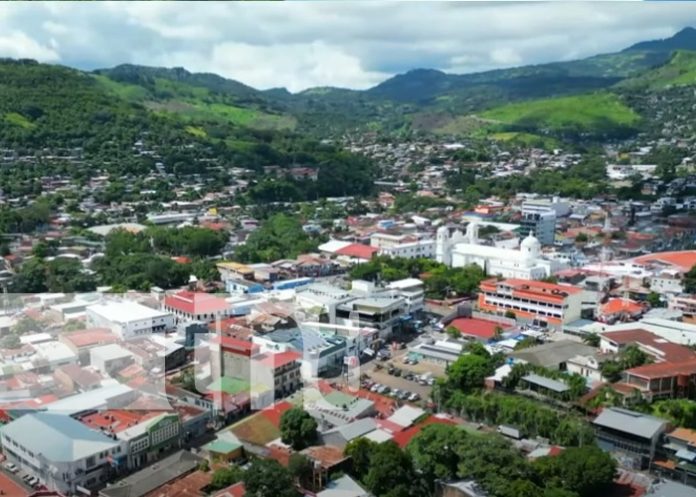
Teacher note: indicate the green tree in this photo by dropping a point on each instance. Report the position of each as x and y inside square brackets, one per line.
[391, 472]
[592, 339]
[224, 477]
[301, 469]
[589, 471]
[468, 372]
[434, 451]
[360, 451]
[11, 341]
[298, 429]
[267, 478]
[689, 282]
[654, 300]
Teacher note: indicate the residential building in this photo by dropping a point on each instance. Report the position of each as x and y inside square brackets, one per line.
[632, 434]
[129, 319]
[686, 304]
[545, 304]
[64, 454]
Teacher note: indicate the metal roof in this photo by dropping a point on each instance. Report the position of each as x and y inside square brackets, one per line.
[58, 437]
[631, 422]
[548, 383]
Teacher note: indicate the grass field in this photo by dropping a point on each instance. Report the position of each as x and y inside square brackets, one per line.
[527, 139]
[19, 120]
[588, 112]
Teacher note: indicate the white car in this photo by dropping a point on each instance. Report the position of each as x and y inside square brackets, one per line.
[413, 397]
[11, 467]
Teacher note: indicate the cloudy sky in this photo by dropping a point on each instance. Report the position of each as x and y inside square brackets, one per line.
[347, 44]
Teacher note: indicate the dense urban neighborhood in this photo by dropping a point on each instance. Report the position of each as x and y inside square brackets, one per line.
[485, 289]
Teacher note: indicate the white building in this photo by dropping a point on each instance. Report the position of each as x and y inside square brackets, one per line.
[58, 450]
[411, 289]
[129, 319]
[407, 246]
[459, 250]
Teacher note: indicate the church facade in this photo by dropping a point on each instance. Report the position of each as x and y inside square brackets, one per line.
[457, 249]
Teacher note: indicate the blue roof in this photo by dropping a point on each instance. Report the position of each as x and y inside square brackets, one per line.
[58, 437]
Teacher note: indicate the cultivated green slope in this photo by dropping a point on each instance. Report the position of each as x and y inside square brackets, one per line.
[595, 114]
[194, 97]
[679, 70]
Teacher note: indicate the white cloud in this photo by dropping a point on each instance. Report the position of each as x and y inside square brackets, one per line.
[17, 44]
[298, 66]
[354, 44]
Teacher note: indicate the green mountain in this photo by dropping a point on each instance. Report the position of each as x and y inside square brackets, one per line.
[679, 70]
[582, 99]
[194, 96]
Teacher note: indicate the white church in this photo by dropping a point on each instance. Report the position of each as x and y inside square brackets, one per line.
[457, 249]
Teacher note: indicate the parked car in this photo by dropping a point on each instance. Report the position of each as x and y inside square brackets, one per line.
[404, 395]
[414, 397]
[11, 467]
[375, 387]
[384, 390]
[391, 370]
[408, 376]
[397, 372]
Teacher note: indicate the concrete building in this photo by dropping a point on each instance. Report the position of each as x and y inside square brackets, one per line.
[632, 434]
[545, 304]
[196, 306]
[61, 452]
[129, 319]
[542, 224]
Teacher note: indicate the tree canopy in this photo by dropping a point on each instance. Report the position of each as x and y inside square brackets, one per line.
[298, 429]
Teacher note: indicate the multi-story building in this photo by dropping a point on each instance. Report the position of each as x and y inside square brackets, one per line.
[196, 306]
[61, 452]
[663, 380]
[129, 319]
[145, 435]
[545, 304]
[407, 246]
[540, 222]
[382, 313]
[634, 435]
[686, 304]
[411, 289]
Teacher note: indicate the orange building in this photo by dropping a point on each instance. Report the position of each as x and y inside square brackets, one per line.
[546, 304]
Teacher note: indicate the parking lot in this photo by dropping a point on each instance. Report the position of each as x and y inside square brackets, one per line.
[397, 374]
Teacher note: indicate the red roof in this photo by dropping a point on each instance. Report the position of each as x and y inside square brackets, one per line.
[479, 328]
[532, 289]
[195, 303]
[404, 437]
[661, 349]
[683, 260]
[276, 411]
[280, 359]
[236, 490]
[621, 306]
[235, 345]
[665, 369]
[358, 250]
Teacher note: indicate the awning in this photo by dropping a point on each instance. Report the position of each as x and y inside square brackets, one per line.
[686, 455]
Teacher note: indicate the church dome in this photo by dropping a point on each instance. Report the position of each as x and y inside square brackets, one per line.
[530, 245]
